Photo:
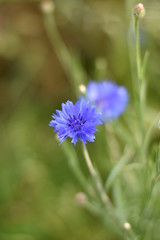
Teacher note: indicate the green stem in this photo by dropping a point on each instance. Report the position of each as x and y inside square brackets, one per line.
[148, 135]
[138, 56]
[103, 196]
[74, 165]
[119, 167]
[105, 199]
[69, 61]
[139, 83]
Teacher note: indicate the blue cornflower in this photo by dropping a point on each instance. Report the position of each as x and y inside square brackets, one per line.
[109, 98]
[76, 121]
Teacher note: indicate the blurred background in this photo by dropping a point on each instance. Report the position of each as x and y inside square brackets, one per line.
[37, 186]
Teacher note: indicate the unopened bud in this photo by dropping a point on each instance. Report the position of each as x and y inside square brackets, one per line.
[82, 88]
[127, 226]
[81, 198]
[47, 6]
[139, 11]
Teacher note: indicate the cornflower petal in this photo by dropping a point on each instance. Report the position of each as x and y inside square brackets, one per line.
[77, 122]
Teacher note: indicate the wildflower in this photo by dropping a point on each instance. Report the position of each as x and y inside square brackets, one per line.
[109, 98]
[76, 121]
[139, 11]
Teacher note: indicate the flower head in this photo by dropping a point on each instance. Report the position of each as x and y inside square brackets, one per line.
[76, 121]
[109, 98]
[139, 11]
[47, 6]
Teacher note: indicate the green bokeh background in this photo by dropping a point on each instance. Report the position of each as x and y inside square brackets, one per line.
[37, 186]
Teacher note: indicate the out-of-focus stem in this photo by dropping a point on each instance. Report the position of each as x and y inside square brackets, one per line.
[70, 64]
[138, 56]
[74, 165]
[139, 83]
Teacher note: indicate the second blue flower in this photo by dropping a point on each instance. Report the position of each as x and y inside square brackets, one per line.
[109, 98]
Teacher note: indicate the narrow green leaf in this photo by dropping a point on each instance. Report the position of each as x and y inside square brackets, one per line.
[118, 168]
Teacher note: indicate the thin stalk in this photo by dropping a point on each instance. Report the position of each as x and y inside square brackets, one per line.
[138, 55]
[139, 76]
[105, 199]
[69, 61]
[144, 81]
[149, 133]
[75, 167]
[103, 196]
[119, 167]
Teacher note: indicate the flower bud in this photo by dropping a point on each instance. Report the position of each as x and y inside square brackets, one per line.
[47, 6]
[81, 198]
[82, 88]
[127, 226]
[139, 11]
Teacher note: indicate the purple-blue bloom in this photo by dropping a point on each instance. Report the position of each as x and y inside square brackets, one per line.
[76, 121]
[109, 98]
